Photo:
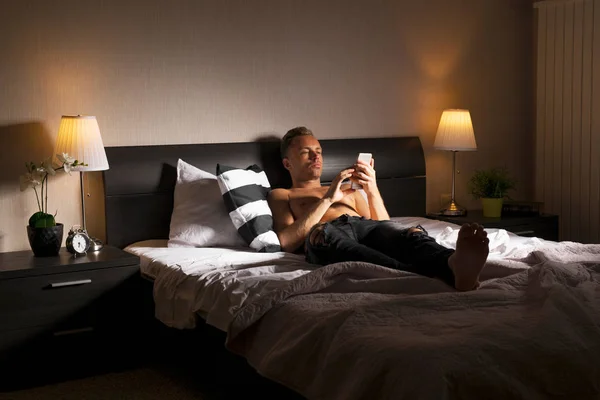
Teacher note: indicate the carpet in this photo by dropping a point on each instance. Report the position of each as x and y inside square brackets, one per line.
[149, 383]
[143, 383]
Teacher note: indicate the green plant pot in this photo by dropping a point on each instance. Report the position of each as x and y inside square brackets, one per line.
[492, 208]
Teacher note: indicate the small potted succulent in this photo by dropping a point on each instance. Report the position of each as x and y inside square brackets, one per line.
[491, 186]
[44, 233]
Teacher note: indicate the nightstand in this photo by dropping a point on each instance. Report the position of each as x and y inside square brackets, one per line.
[64, 316]
[543, 226]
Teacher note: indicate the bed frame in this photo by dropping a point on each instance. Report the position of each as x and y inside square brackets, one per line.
[139, 185]
[138, 191]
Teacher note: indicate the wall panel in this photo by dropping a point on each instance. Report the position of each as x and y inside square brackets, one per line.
[568, 125]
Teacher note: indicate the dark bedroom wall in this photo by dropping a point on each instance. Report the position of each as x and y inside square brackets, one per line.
[190, 71]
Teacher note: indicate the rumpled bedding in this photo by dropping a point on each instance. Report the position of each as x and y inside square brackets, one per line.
[360, 331]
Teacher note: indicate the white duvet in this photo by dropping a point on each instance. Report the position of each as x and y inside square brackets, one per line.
[361, 331]
[214, 283]
[354, 331]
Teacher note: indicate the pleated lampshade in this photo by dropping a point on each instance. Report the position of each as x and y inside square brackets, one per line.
[79, 136]
[455, 131]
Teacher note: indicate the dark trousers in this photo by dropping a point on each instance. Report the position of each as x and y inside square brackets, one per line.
[385, 243]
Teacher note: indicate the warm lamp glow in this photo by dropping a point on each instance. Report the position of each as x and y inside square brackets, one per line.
[79, 136]
[455, 131]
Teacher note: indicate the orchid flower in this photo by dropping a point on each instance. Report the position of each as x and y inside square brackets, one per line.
[30, 180]
[37, 175]
[67, 161]
[65, 158]
[47, 166]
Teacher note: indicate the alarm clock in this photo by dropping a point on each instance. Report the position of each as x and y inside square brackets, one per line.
[78, 241]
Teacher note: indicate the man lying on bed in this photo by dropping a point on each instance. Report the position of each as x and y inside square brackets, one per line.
[335, 223]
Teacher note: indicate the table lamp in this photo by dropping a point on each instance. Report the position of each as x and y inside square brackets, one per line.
[79, 136]
[455, 133]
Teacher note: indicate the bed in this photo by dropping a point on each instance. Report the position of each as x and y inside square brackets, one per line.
[356, 330]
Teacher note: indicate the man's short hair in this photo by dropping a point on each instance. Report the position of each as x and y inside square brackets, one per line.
[290, 135]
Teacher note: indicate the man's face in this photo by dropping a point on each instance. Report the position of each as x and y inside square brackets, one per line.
[304, 159]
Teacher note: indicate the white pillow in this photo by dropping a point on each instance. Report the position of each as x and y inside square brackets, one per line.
[199, 217]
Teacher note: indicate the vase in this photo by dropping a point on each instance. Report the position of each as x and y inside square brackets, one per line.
[45, 242]
[492, 208]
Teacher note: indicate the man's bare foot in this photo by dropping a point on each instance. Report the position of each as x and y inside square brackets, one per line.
[469, 258]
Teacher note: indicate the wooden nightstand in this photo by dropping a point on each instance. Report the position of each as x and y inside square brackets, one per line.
[63, 316]
[544, 226]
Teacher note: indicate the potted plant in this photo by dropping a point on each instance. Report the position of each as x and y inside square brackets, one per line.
[44, 233]
[491, 186]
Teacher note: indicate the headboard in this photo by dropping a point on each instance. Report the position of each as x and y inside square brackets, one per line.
[139, 185]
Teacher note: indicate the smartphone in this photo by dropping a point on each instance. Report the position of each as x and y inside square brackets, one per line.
[366, 157]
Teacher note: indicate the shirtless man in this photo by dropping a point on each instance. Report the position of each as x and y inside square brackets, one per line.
[335, 223]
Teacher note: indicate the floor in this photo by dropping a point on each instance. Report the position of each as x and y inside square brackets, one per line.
[149, 383]
[168, 367]
[142, 383]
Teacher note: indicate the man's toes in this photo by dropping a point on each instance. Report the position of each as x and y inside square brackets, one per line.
[476, 227]
[465, 231]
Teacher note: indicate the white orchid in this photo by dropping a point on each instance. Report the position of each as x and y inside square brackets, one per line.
[30, 180]
[47, 166]
[68, 162]
[65, 158]
[67, 168]
[37, 175]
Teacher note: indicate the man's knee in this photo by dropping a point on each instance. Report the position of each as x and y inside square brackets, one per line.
[317, 236]
[418, 230]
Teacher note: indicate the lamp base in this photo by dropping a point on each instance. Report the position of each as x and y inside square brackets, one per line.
[453, 210]
[96, 245]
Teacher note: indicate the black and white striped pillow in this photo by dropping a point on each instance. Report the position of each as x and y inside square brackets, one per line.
[245, 195]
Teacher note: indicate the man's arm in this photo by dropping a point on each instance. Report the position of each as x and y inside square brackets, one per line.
[292, 233]
[365, 175]
[376, 206]
[360, 205]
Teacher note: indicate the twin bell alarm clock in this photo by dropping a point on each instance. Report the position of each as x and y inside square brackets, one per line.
[78, 241]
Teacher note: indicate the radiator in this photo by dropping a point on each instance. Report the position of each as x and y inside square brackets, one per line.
[567, 177]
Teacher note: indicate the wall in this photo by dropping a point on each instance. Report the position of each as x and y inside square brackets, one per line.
[156, 72]
[568, 116]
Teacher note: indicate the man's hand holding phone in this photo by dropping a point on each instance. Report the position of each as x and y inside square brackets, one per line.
[335, 192]
[364, 174]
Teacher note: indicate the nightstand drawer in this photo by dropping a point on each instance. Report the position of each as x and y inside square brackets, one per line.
[19, 341]
[63, 300]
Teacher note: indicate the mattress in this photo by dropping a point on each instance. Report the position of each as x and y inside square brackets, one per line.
[214, 283]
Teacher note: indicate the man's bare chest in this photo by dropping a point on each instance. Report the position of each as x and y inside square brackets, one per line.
[302, 200]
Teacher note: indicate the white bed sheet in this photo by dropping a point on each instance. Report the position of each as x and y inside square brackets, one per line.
[216, 282]
[210, 282]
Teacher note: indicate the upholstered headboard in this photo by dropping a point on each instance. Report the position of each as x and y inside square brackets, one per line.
[139, 185]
